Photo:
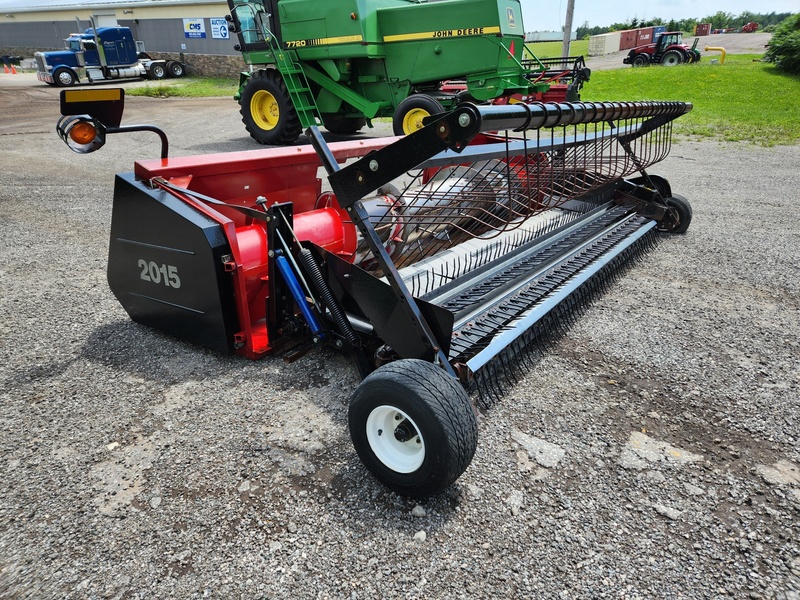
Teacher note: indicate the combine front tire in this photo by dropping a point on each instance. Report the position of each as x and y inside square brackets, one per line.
[413, 427]
[409, 114]
[267, 110]
[681, 215]
[672, 58]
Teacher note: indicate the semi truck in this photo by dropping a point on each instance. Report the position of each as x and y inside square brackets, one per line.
[101, 54]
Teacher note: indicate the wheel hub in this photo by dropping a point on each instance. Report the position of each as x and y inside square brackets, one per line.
[405, 431]
[395, 439]
[413, 119]
[265, 110]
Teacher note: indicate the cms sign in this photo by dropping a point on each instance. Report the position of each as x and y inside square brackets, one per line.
[194, 28]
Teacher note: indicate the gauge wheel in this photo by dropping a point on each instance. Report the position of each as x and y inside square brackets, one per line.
[413, 427]
[267, 110]
[681, 215]
[411, 111]
[65, 78]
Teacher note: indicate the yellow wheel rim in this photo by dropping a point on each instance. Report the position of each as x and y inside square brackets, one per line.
[413, 119]
[264, 109]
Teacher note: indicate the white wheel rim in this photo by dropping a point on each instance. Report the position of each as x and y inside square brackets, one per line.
[399, 456]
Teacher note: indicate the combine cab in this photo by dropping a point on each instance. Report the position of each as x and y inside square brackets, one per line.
[668, 50]
[442, 262]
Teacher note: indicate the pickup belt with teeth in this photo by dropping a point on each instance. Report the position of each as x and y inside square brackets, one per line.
[510, 309]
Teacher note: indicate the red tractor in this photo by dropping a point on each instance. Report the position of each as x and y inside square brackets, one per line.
[668, 50]
[750, 27]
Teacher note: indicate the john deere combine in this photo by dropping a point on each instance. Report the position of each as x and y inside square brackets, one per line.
[440, 261]
[340, 64]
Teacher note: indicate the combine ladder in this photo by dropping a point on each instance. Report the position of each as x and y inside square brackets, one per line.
[296, 84]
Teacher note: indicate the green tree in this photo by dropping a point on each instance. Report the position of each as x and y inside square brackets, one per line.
[719, 20]
[784, 47]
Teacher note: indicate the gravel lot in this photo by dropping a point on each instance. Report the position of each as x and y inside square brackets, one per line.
[653, 452]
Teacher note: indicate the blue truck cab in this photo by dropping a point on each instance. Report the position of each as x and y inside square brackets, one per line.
[101, 54]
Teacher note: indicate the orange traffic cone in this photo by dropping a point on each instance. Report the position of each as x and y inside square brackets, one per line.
[5, 68]
[13, 70]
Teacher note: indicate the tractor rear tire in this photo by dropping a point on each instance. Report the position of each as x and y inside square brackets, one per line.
[343, 125]
[684, 213]
[411, 111]
[641, 60]
[672, 58]
[267, 110]
[413, 427]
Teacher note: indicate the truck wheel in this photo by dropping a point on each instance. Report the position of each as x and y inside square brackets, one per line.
[343, 125]
[641, 60]
[409, 114]
[157, 71]
[65, 78]
[175, 69]
[683, 210]
[671, 58]
[413, 427]
[267, 110]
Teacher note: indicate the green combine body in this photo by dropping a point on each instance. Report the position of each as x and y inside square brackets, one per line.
[341, 63]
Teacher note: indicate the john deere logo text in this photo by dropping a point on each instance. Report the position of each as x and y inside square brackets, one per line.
[512, 22]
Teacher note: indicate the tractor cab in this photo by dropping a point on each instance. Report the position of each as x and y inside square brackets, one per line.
[665, 40]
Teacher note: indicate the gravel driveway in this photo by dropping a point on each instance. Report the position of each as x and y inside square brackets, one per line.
[652, 452]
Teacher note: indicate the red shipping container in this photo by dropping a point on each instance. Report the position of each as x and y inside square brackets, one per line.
[645, 36]
[702, 29]
[627, 39]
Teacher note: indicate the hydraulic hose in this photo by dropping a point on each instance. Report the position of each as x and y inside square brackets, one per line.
[326, 294]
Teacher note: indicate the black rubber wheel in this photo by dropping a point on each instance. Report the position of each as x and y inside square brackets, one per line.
[409, 114]
[175, 69]
[267, 110]
[681, 212]
[157, 72]
[672, 58]
[65, 78]
[343, 125]
[641, 60]
[413, 427]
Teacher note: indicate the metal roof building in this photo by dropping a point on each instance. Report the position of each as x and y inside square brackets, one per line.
[161, 26]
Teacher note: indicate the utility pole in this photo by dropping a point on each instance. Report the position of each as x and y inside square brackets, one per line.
[568, 28]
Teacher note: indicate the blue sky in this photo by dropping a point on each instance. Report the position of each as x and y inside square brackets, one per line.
[548, 15]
